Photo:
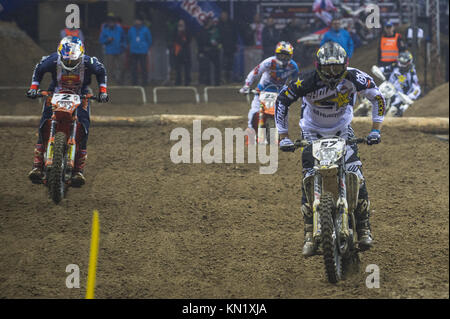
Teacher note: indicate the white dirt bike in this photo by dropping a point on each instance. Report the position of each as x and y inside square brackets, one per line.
[332, 192]
[389, 93]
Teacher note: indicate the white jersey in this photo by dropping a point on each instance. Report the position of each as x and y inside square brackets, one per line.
[272, 72]
[327, 111]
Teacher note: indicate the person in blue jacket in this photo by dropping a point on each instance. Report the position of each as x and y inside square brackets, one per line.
[140, 41]
[339, 35]
[114, 40]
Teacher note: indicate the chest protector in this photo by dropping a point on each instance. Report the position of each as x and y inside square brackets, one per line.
[69, 80]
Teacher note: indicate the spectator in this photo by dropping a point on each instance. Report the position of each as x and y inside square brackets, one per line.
[171, 30]
[339, 35]
[410, 36]
[293, 31]
[228, 38]
[270, 38]
[391, 44]
[114, 41]
[74, 32]
[355, 37]
[209, 52]
[140, 40]
[182, 53]
[257, 27]
[126, 54]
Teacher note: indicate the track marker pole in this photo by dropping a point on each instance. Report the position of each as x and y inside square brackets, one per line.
[95, 236]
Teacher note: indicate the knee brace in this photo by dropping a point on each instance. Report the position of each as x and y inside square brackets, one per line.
[362, 211]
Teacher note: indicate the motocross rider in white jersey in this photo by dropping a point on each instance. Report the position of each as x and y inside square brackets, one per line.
[328, 94]
[275, 70]
[404, 77]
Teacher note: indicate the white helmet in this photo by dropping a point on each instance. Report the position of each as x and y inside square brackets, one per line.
[71, 52]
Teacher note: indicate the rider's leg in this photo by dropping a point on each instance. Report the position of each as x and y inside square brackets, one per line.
[307, 164]
[253, 120]
[36, 174]
[83, 113]
[362, 213]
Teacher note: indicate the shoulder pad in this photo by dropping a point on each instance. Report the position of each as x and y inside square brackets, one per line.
[305, 83]
[360, 79]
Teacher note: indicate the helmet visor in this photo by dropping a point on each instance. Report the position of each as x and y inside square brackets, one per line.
[284, 57]
[332, 70]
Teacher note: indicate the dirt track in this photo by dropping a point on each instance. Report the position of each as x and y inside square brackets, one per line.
[218, 230]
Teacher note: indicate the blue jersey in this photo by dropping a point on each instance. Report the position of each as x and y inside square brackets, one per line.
[77, 80]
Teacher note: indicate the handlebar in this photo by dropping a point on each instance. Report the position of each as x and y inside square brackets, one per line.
[304, 143]
[253, 91]
[50, 93]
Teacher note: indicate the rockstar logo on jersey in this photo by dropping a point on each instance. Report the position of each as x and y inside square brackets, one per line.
[298, 83]
[401, 78]
[341, 99]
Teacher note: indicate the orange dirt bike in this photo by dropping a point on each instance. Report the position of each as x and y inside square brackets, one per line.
[62, 140]
[266, 115]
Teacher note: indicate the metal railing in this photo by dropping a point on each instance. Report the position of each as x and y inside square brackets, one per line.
[159, 88]
[209, 88]
[135, 87]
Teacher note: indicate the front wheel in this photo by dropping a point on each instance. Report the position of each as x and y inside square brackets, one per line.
[56, 178]
[331, 255]
[271, 130]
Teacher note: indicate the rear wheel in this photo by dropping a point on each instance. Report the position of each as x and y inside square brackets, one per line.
[56, 178]
[331, 255]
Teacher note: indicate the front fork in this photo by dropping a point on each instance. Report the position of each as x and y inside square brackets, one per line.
[261, 126]
[71, 152]
[341, 205]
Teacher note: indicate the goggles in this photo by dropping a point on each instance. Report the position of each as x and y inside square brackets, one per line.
[284, 57]
[332, 70]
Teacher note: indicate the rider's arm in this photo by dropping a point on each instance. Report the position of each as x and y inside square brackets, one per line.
[100, 72]
[288, 95]
[365, 85]
[373, 94]
[257, 71]
[415, 90]
[47, 64]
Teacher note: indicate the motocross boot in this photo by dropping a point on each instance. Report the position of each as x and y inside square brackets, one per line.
[363, 225]
[78, 178]
[36, 175]
[308, 243]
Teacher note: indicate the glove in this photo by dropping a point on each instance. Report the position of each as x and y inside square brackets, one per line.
[32, 93]
[103, 98]
[286, 145]
[374, 137]
[244, 90]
